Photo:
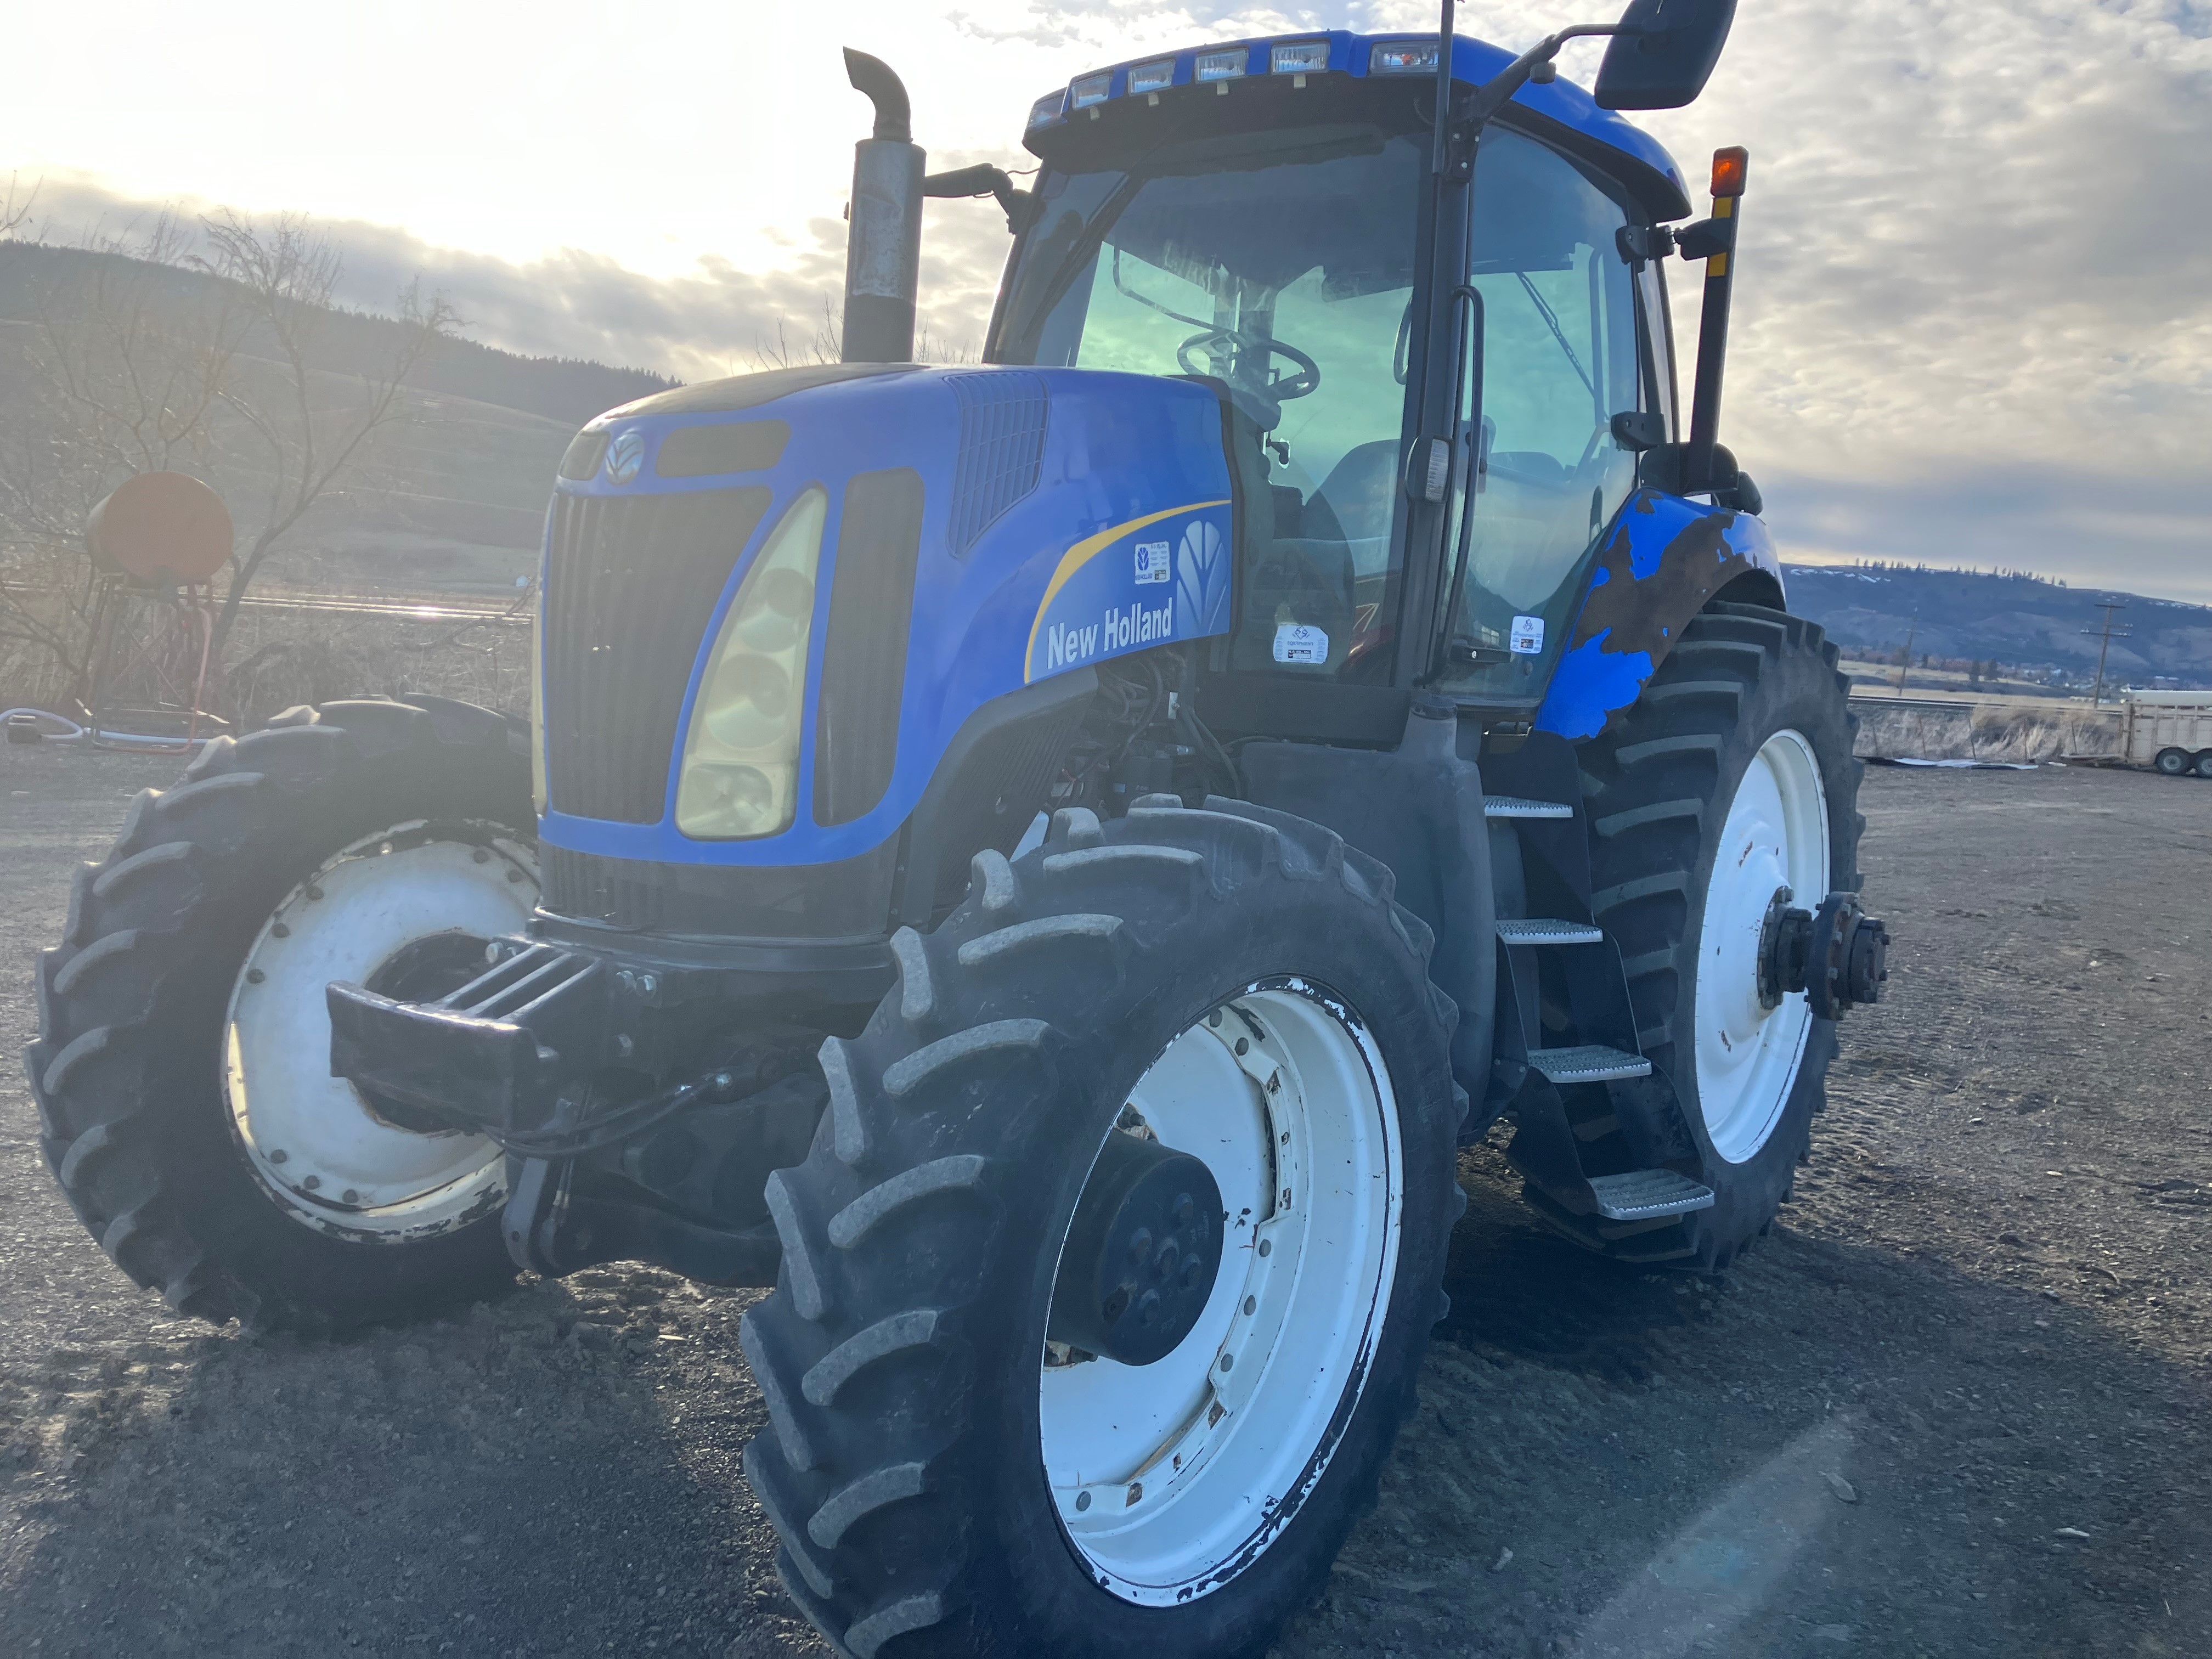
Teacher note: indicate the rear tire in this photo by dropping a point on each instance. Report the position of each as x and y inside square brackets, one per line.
[2205, 764]
[138, 1071]
[901, 1353]
[2174, 762]
[1749, 699]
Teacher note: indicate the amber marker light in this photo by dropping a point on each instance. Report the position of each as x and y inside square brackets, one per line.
[1729, 167]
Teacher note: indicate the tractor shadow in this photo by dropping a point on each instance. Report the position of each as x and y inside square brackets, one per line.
[1519, 1287]
[555, 1473]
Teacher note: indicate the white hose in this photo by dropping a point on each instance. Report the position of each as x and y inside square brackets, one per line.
[100, 736]
[71, 735]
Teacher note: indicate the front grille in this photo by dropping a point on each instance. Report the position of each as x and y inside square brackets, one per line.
[863, 663]
[629, 586]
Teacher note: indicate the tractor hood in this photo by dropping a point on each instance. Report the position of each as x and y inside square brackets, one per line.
[967, 533]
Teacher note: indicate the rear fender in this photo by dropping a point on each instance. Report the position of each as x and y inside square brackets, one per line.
[1662, 562]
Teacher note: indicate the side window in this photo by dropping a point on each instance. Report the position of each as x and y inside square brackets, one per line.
[1560, 359]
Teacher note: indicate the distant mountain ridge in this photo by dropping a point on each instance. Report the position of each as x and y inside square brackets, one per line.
[356, 342]
[2010, 617]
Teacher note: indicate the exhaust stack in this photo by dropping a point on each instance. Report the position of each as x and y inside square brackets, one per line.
[883, 253]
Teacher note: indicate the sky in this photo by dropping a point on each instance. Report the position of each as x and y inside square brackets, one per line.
[1973, 313]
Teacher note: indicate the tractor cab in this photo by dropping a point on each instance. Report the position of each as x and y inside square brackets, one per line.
[1267, 217]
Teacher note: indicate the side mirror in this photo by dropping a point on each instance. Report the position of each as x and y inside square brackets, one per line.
[1664, 53]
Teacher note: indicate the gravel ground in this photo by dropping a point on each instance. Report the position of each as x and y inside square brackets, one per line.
[1956, 1405]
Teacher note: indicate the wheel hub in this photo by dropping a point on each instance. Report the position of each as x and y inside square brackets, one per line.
[1837, 956]
[1138, 1265]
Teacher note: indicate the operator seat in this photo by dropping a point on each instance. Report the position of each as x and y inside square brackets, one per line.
[1355, 501]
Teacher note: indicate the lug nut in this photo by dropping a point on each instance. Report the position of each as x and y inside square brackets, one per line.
[279, 1156]
[312, 1183]
[481, 856]
[278, 930]
[1140, 1244]
[1082, 1502]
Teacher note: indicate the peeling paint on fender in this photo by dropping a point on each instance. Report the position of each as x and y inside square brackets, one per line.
[1663, 559]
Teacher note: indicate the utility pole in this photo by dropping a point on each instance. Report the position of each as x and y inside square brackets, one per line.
[1905, 656]
[2105, 637]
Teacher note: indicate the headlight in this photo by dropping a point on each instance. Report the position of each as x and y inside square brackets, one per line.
[741, 759]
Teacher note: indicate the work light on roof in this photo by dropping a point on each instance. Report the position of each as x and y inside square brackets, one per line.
[1152, 77]
[1047, 108]
[1225, 65]
[1299, 58]
[1091, 90]
[1403, 58]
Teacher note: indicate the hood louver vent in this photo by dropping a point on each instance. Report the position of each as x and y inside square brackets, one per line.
[1002, 427]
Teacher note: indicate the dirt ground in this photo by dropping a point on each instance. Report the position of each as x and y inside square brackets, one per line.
[1956, 1405]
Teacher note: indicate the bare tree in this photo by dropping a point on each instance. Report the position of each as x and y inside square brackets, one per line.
[287, 274]
[16, 207]
[202, 349]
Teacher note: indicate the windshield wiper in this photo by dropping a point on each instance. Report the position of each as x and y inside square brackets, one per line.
[1551, 321]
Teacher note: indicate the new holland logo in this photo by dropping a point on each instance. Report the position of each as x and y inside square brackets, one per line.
[625, 456]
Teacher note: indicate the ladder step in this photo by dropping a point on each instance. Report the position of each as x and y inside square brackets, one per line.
[1518, 806]
[1592, 1062]
[1642, 1194]
[1532, 930]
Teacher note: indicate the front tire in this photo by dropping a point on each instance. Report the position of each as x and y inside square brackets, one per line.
[2173, 762]
[1731, 778]
[921, 1468]
[182, 1064]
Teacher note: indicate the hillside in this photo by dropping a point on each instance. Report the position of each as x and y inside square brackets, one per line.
[2019, 621]
[353, 343]
[454, 499]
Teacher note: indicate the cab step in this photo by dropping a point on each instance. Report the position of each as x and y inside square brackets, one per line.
[1534, 930]
[1589, 1062]
[1519, 806]
[1644, 1194]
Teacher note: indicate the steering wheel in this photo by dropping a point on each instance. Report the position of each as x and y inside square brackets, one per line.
[1299, 385]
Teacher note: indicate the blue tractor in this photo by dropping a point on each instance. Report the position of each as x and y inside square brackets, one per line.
[1044, 864]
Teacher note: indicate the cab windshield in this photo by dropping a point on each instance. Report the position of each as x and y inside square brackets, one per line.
[1280, 263]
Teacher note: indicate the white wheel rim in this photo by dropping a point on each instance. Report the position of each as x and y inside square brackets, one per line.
[1776, 836]
[1170, 1478]
[318, 1150]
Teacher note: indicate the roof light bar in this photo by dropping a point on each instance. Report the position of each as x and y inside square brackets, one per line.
[1299, 58]
[1224, 65]
[1152, 77]
[1090, 89]
[1047, 108]
[1402, 58]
